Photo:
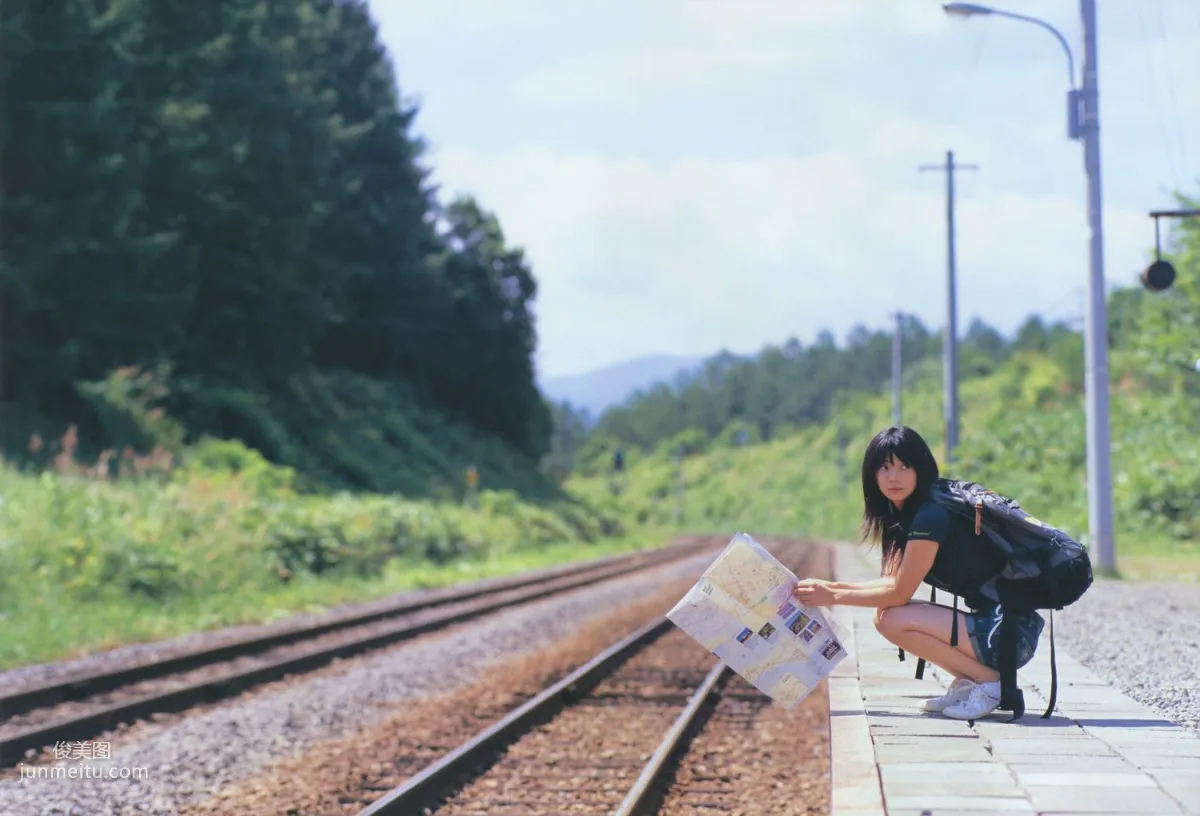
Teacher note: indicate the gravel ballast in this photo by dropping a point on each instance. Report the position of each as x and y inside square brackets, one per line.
[342, 776]
[756, 758]
[578, 763]
[1144, 639]
[189, 758]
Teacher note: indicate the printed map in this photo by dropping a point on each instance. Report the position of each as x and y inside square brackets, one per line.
[742, 610]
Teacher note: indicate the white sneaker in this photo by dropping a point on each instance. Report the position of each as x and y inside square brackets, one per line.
[983, 700]
[958, 692]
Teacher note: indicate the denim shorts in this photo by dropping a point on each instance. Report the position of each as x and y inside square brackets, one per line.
[983, 627]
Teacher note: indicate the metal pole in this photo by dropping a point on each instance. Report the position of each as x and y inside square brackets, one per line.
[1099, 456]
[950, 366]
[950, 343]
[841, 446]
[897, 367]
[679, 487]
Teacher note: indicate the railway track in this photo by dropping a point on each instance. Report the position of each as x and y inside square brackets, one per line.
[85, 705]
[605, 739]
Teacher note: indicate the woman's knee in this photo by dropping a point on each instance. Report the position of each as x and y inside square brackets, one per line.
[893, 620]
[884, 621]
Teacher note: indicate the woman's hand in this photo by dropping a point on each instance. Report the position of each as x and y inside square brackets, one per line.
[813, 592]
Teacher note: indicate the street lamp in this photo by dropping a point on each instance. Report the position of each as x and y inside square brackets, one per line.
[1083, 123]
[965, 10]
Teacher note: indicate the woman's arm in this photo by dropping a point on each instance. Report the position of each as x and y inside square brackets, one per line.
[888, 591]
[885, 581]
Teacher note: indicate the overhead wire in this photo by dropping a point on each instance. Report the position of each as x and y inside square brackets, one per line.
[1152, 70]
[1172, 98]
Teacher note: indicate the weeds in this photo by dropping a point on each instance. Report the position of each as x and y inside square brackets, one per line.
[136, 546]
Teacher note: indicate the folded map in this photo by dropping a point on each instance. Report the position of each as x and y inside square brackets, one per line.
[742, 610]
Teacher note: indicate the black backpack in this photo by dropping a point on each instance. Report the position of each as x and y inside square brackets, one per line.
[1044, 569]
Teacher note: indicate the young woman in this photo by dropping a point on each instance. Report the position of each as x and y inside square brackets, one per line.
[919, 540]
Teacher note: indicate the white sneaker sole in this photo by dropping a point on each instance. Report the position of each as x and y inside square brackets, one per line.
[936, 705]
[955, 713]
[939, 707]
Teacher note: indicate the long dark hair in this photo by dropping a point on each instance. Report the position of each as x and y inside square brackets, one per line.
[881, 520]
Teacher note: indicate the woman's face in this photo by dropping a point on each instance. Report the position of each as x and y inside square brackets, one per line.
[896, 480]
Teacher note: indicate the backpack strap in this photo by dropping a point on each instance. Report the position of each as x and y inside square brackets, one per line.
[954, 624]
[920, 660]
[1011, 697]
[1053, 672]
[920, 675]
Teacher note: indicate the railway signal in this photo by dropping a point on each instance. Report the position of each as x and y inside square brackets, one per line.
[1159, 275]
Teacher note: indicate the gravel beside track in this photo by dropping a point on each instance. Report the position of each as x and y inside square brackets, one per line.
[347, 774]
[755, 758]
[187, 759]
[1144, 638]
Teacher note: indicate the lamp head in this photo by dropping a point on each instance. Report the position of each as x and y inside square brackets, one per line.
[965, 9]
[1159, 276]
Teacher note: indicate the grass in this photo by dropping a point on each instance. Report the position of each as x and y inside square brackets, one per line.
[1154, 558]
[1023, 441]
[222, 538]
[45, 627]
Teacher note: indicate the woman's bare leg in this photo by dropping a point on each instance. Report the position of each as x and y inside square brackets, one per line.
[924, 629]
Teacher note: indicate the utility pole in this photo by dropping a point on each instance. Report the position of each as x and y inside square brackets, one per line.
[950, 345]
[897, 366]
[1083, 124]
[1099, 451]
[679, 486]
[841, 446]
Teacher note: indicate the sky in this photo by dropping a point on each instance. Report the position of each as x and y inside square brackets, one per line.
[691, 176]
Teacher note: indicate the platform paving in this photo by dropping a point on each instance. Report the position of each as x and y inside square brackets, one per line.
[1100, 753]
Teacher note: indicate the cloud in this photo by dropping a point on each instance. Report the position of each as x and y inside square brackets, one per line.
[681, 46]
[693, 255]
[688, 175]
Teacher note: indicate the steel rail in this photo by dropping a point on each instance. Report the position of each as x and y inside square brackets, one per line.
[422, 792]
[643, 795]
[83, 726]
[426, 787]
[81, 686]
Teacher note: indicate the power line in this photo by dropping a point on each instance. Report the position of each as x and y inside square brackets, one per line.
[1163, 118]
[1176, 113]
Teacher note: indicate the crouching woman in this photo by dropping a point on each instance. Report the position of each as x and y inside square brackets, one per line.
[919, 541]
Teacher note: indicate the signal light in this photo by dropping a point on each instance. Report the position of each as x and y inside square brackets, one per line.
[1161, 274]
[1158, 276]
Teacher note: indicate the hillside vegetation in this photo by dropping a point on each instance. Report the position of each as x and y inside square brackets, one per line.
[223, 537]
[249, 357]
[776, 443]
[1020, 442]
[229, 198]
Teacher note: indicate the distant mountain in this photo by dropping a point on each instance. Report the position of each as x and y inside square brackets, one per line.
[605, 387]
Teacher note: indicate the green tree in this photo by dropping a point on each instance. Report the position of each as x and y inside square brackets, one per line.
[484, 353]
[76, 260]
[379, 224]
